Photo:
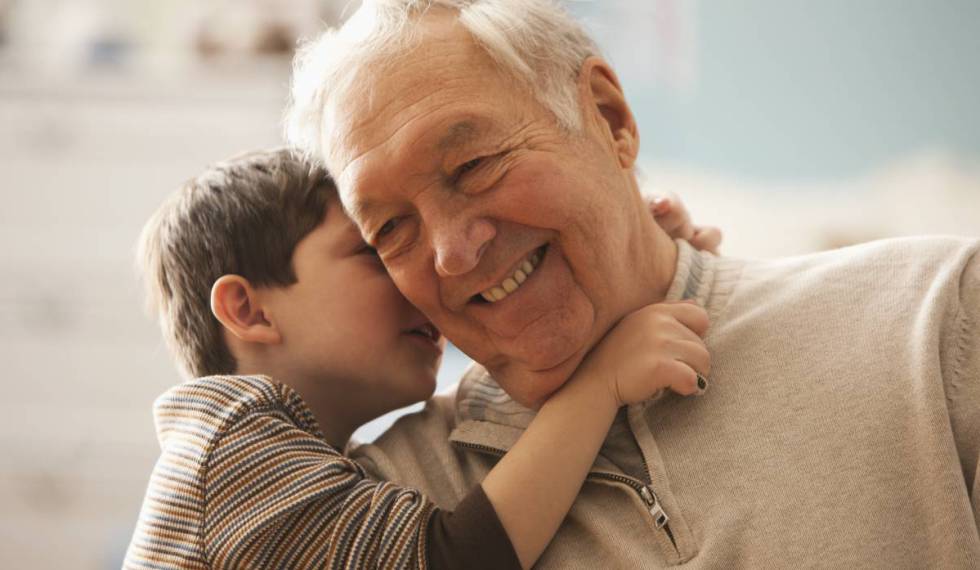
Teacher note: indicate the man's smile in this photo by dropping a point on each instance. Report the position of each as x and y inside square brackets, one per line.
[538, 299]
[514, 279]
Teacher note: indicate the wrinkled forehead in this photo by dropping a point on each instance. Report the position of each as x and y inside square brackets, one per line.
[385, 92]
[412, 112]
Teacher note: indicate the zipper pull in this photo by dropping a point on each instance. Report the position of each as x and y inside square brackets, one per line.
[653, 504]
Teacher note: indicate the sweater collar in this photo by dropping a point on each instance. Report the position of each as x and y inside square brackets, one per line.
[488, 419]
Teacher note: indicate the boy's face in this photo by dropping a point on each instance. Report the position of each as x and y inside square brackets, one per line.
[348, 336]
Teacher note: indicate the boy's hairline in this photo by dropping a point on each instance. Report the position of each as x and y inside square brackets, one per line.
[225, 331]
[160, 295]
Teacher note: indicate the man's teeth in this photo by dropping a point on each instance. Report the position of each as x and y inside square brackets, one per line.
[512, 283]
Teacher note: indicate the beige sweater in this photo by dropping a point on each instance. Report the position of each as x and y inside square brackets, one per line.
[841, 428]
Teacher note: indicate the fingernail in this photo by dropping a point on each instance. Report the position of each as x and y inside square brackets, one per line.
[702, 384]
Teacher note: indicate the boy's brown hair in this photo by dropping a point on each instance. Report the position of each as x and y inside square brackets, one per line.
[243, 216]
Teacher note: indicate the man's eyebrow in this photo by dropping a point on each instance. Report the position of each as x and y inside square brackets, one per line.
[358, 209]
[459, 135]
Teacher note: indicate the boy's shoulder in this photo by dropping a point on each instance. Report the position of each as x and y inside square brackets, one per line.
[199, 411]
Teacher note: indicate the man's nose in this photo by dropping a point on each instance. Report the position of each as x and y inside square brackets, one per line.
[460, 244]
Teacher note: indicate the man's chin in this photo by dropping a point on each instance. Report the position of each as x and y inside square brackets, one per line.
[532, 388]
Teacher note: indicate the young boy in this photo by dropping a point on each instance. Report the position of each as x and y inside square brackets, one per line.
[267, 293]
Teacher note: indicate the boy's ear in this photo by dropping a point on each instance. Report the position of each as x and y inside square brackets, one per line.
[599, 88]
[236, 305]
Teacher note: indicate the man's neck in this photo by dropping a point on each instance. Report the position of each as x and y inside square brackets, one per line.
[647, 269]
[652, 255]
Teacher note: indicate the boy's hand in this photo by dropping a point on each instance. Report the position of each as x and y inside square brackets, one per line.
[669, 212]
[656, 347]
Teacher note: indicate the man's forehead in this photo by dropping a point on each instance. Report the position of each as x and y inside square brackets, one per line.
[437, 123]
[445, 67]
[427, 107]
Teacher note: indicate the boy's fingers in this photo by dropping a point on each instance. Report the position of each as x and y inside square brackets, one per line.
[672, 216]
[674, 330]
[684, 231]
[706, 238]
[690, 315]
[660, 205]
[694, 354]
[676, 224]
[681, 378]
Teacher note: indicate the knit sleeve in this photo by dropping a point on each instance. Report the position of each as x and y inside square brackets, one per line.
[277, 496]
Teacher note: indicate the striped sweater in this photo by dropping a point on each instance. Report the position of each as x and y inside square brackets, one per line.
[246, 480]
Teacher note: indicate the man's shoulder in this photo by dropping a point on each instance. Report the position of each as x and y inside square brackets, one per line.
[912, 248]
[912, 258]
[883, 277]
[438, 416]
[416, 452]
[427, 428]
[916, 250]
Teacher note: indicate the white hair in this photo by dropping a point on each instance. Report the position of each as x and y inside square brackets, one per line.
[534, 41]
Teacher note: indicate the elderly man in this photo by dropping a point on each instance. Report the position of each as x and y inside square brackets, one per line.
[487, 151]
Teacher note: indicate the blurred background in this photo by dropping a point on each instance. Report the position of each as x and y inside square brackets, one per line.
[795, 126]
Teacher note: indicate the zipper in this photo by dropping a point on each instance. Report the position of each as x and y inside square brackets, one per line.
[653, 504]
[646, 493]
[656, 501]
[480, 448]
[649, 498]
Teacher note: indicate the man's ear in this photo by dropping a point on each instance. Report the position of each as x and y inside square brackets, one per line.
[236, 305]
[599, 91]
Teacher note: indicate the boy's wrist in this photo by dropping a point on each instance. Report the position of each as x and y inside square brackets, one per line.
[592, 388]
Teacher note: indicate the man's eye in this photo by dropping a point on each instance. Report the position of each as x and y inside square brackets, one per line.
[387, 228]
[470, 165]
[467, 167]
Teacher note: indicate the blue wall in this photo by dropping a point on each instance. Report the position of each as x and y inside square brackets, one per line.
[788, 89]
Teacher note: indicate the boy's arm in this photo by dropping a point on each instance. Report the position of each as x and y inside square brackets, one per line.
[278, 496]
[535, 483]
[508, 520]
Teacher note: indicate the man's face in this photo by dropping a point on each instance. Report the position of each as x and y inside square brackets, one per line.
[470, 190]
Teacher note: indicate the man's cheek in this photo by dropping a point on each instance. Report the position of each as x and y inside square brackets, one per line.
[410, 285]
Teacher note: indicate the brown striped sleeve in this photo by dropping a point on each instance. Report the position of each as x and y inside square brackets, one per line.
[246, 480]
[277, 496]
